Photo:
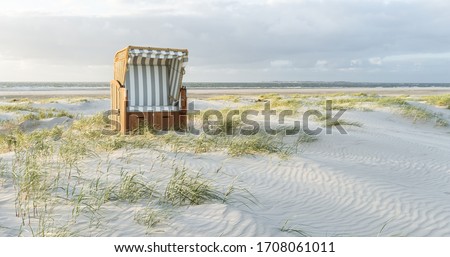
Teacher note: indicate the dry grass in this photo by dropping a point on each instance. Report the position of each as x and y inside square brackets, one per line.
[229, 98]
[440, 100]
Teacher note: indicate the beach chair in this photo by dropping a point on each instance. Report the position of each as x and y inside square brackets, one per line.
[147, 89]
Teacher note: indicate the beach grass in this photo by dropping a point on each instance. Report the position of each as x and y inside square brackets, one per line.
[416, 113]
[70, 100]
[3, 175]
[31, 180]
[34, 113]
[440, 122]
[277, 102]
[149, 217]
[256, 144]
[133, 187]
[49, 167]
[189, 189]
[269, 96]
[40, 114]
[43, 182]
[293, 229]
[438, 100]
[332, 122]
[421, 114]
[17, 108]
[230, 98]
[233, 145]
[400, 104]
[20, 100]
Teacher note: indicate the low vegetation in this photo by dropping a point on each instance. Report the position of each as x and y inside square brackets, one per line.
[421, 114]
[49, 170]
[149, 217]
[188, 189]
[49, 167]
[133, 188]
[44, 114]
[230, 98]
[28, 112]
[400, 104]
[327, 122]
[293, 229]
[438, 100]
[43, 183]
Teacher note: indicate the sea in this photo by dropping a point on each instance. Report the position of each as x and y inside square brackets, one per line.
[50, 86]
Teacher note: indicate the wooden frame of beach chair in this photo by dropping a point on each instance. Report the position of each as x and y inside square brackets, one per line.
[147, 89]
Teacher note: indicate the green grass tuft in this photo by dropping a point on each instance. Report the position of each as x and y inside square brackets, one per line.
[415, 113]
[44, 114]
[186, 189]
[269, 96]
[34, 113]
[441, 122]
[439, 100]
[133, 188]
[259, 143]
[148, 217]
[230, 98]
[17, 108]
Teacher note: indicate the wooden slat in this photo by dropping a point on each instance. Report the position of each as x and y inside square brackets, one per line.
[120, 65]
[123, 102]
[115, 106]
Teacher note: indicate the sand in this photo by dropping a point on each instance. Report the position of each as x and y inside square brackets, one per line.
[205, 93]
[390, 177]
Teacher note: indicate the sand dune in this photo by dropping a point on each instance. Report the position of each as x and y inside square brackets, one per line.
[389, 177]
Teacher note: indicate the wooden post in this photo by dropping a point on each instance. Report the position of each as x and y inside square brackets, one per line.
[123, 101]
[182, 117]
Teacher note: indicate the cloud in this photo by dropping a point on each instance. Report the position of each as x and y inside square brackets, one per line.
[418, 57]
[280, 63]
[375, 61]
[321, 64]
[252, 40]
[355, 62]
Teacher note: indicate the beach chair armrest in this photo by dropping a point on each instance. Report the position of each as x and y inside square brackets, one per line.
[116, 84]
[119, 104]
[183, 100]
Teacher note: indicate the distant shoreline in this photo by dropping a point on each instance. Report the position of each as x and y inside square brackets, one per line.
[204, 93]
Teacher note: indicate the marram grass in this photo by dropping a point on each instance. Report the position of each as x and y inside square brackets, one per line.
[189, 189]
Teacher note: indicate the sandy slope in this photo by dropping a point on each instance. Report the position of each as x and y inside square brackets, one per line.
[390, 177]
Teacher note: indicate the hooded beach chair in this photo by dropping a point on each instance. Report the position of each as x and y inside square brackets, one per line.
[147, 89]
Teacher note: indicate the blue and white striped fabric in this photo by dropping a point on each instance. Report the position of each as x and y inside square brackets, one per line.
[153, 79]
[153, 108]
[157, 54]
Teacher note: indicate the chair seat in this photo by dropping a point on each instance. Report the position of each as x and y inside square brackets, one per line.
[166, 108]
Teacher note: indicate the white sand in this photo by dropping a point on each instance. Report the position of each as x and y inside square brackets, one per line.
[205, 93]
[390, 177]
[49, 123]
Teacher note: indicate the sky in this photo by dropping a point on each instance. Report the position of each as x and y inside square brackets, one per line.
[231, 40]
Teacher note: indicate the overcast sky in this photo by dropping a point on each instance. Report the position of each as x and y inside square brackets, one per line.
[247, 40]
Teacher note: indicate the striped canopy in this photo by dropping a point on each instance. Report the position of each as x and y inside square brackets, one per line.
[153, 79]
[157, 54]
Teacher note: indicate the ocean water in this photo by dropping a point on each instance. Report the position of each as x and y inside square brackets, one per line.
[43, 86]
